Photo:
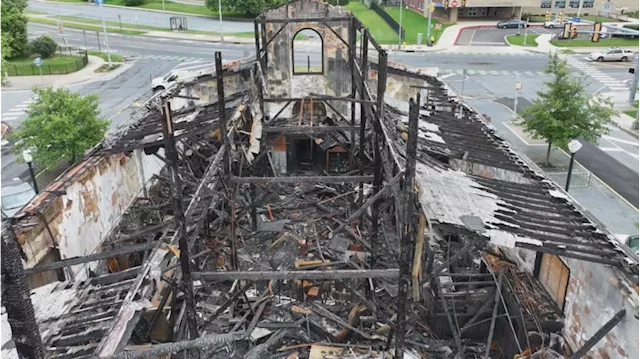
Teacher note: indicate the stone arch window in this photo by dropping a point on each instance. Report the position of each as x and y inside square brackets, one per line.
[307, 51]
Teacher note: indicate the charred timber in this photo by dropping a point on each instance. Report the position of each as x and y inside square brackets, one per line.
[293, 275]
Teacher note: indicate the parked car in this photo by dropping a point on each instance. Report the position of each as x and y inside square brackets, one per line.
[180, 71]
[612, 54]
[633, 242]
[512, 24]
[556, 23]
[15, 195]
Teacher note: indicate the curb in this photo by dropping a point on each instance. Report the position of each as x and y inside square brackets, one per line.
[153, 10]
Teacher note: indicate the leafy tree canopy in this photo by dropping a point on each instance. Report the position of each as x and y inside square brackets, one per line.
[13, 25]
[563, 111]
[247, 7]
[60, 125]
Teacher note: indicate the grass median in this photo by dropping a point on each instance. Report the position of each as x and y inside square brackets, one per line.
[633, 113]
[87, 27]
[519, 40]
[103, 55]
[170, 6]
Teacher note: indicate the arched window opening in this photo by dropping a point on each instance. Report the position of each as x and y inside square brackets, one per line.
[307, 52]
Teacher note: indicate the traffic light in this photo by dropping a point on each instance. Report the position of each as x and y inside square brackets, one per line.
[446, 3]
[574, 32]
[432, 7]
[561, 16]
[547, 15]
[464, 3]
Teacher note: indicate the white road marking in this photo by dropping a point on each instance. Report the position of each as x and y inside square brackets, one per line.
[615, 139]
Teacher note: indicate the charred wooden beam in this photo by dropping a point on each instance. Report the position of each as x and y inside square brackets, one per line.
[406, 244]
[179, 216]
[363, 114]
[303, 19]
[272, 120]
[301, 179]
[90, 258]
[16, 298]
[311, 275]
[306, 130]
[570, 254]
[352, 68]
[606, 328]
[319, 98]
[207, 342]
[495, 314]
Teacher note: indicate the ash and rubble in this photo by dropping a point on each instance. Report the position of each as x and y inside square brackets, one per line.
[318, 216]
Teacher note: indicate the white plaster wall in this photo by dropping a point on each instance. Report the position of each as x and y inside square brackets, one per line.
[93, 204]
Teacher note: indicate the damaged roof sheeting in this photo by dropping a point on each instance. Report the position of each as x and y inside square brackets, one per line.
[471, 179]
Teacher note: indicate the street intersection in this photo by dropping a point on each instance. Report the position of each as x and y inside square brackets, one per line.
[489, 83]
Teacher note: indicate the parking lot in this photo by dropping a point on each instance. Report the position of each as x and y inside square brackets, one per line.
[492, 36]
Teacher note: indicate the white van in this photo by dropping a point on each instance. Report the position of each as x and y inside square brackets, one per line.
[179, 72]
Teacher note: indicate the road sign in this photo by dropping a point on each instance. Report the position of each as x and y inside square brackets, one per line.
[607, 7]
[432, 8]
[454, 3]
[38, 61]
[575, 19]
[99, 2]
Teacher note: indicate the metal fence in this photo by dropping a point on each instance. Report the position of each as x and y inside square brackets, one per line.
[579, 179]
[52, 68]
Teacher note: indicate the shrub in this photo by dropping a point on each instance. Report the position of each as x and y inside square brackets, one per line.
[134, 2]
[44, 46]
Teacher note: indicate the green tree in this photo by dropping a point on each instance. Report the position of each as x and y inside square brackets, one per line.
[565, 110]
[60, 125]
[13, 24]
[6, 53]
[247, 7]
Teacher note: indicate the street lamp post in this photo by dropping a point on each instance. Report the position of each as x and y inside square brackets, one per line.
[574, 147]
[104, 29]
[519, 19]
[26, 155]
[518, 87]
[220, 16]
[400, 29]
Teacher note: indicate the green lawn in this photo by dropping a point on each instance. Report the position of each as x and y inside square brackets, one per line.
[103, 55]
[519, 40]
[171, 6]
[377, 27]
[601, 43]
[598, 18]
[114, 26]
[414, 23]
[111, 23]
[84, 27]
[58, 64]
[633, 113]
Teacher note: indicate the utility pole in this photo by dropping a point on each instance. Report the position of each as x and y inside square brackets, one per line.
[519, 19]
[634, 84]
[429, 23]
[579, 8]
[515, 101]
[220, 16]
[104, 29]
[400, 29]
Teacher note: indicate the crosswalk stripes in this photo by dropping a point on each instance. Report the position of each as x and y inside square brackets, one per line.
[492, 72]
[17, 111]
[588, 69]
[173, 58]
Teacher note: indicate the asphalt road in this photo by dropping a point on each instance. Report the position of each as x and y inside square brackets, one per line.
[490, 77]
[492, 36]
[135, 16]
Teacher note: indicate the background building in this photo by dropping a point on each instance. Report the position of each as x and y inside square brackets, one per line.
[451, 10]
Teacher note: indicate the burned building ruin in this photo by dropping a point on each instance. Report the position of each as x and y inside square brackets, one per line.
[359, 209]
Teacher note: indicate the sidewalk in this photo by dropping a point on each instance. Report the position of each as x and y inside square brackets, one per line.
[86, 74]
[621, 103]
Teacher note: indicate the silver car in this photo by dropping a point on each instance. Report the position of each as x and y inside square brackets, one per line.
[623, 55]
[15, 195]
